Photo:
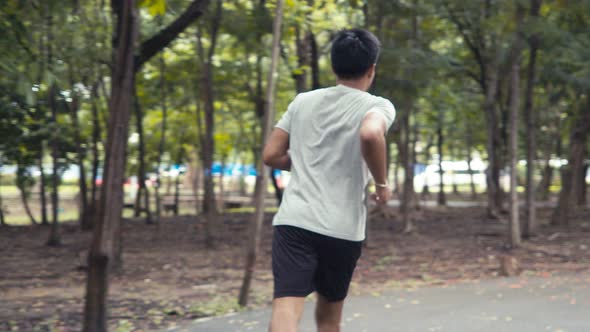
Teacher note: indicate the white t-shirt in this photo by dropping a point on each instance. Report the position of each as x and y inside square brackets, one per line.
[328, 173]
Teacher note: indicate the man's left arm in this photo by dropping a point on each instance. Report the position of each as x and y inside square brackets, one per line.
[275, 152]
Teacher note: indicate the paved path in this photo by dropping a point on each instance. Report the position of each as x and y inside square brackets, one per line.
[501, 305]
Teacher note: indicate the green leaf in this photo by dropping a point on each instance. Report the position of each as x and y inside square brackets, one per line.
[154, 7]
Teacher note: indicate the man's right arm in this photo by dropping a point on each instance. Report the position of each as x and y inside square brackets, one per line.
[373, 148]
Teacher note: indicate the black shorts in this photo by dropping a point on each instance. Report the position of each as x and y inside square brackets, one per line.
[304, 261]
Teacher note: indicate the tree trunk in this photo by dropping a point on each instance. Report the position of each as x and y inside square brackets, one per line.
[105, 251]
[515, 236]
[442, 200]
[96, 129]
[469, 141]
[142, 191]
[408, 195]
[582, 187]
[315, 61]
[54, 236]
[261, 177]
[209, 202]
[24, 195]
[300, 74]
[81, 156]
[396, 176]
[546, 179]
[572, 171]
[2, 221]
[530, 226]
[492, 146]
[515, 226]
[42, 186]
[162, 144]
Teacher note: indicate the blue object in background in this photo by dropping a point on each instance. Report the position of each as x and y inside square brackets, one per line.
[237, 170]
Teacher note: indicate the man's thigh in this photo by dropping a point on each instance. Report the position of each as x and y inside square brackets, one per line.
[336, 263]
[294, 262]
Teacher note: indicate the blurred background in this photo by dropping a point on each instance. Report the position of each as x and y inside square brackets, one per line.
[488, 155]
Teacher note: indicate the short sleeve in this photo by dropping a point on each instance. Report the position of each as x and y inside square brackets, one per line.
[285, 121]
[385, 108]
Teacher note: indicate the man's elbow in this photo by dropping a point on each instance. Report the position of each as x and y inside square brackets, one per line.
[370, 135]
[267, 157]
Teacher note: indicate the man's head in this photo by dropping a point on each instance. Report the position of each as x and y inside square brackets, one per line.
[354, 55]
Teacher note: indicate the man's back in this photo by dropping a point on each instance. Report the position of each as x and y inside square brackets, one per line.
[326, 191]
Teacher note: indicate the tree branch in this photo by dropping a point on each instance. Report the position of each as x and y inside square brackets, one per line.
[156, 43]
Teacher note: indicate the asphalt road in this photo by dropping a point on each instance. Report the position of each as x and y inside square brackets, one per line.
[556, 303]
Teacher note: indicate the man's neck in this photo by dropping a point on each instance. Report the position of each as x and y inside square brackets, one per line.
[355, 84]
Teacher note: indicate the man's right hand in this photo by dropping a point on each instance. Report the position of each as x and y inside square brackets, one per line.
[382, 195]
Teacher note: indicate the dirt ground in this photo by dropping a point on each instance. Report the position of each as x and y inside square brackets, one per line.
[169, 277]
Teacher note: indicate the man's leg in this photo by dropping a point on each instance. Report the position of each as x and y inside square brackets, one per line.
[328, 314]
[286, 312]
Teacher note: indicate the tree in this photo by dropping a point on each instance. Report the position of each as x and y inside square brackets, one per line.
[262, 170]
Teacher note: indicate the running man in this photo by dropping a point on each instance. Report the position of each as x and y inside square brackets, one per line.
[329, 139]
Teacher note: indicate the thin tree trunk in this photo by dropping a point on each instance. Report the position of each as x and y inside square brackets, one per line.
[261, 177]
[396, 175]
[515, 227]
[546, 179]
[96, 129]
[493, 143]
[315, 61]
[582, 187]
[406, 160]
[442, 199]
[42, 186]
[515, 235]
[25, 200]
[530, 226]
[572, 171]
[105, 251]
[2, 221]
[469, 160]
[164, 105]
[142, 191]
[54, 237]
[209, 202]
[81, 155]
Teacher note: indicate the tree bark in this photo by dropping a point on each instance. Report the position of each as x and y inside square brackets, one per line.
[515, 230]
[156, 43]
[442, 200]
[515, 227]
[164, 105]
[262, 171]
[54, 238]
[96, 129]
[81, 156]
[142, 191]
[314, 61]
[105, 251]
[24, 194]
[42, 186]
[209, 204]
[572, 171]
[530, 226]
[469, 141]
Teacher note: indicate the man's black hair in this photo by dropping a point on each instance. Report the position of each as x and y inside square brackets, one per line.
[354, 51]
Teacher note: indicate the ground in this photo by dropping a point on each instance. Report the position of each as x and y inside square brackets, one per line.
[557, 303]
[169, 278]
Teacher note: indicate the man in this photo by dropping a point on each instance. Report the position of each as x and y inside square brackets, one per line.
[329, 139]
